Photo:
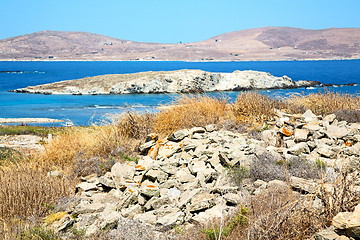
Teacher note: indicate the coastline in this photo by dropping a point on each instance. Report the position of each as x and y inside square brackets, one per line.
[29, 120]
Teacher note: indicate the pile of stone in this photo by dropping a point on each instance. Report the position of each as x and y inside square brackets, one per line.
[184, 179]
[345, 226]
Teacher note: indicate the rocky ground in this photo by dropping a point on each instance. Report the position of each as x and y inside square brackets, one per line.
[180, 81]
[188, 178]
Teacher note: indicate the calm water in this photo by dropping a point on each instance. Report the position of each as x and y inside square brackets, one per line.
[83, 110]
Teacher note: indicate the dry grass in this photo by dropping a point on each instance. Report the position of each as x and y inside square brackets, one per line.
[27, 192]
[190, 111]
[255, 108]
[324, 103]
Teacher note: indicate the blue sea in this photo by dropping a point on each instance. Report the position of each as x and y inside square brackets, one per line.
[84, 110]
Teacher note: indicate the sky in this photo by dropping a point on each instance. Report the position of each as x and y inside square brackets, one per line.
[172, 21]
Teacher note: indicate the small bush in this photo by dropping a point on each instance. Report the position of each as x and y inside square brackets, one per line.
[9, 155]
[254, 108]
[191, 111]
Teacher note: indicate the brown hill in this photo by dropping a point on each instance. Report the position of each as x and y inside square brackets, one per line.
[268, 43]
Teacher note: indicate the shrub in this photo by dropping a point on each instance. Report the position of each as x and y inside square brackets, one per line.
[254, 108]
[191, 111]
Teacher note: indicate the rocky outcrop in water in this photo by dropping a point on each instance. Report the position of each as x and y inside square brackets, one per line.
[181, 81]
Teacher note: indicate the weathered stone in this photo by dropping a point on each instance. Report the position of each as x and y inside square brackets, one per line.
[197, 130]
[170, 220]
[286, 131]
[173, 193]
[301, 135]
[303, 185]
[179, 135]
[329, 118]
[131, 211]
[184, 175]
[168, 149]
[128, 198]
[157, 175]
[326, 151]
[269, 137]
[144, 164]
[201, 200]
[299, 148]
[336, 132]
[309, 116]
[106, 182]
[122, 172]
[187, 196]
[348, 221]
[149, 189]
[232, 199]
[144, 148]
[211, 128]
[152, 137]
[85, 186]
[197, 166]
[326, 234]
[147, 217]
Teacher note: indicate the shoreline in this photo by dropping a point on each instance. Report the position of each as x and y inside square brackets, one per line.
[29, 120]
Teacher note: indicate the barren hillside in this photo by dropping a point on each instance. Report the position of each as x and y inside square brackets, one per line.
[268, 43]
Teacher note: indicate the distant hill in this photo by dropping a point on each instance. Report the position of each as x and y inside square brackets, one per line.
[267, 43]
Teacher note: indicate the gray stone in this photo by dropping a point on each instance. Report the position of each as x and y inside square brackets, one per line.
[144, 148]
[168, 149]
[201, 200]
[326, 151]
[121, 172]
[170, 220]
[85, 186]
[184, 175]
[326, 234]
[304, 185]
[211, 128]
[157, 175]
[179, 135]
[299, 148]
[336, 132]
[232, 199]
[269, 137]
[301, 135]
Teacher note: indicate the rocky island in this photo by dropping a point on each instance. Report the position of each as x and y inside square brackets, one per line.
[179, 81]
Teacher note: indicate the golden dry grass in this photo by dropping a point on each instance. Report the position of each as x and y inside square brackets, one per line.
[190, 111]
[324, 103]
[27, 192]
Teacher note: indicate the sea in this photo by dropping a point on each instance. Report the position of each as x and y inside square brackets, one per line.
[94, 109]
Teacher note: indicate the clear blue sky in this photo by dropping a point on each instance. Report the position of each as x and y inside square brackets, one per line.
[170, 21]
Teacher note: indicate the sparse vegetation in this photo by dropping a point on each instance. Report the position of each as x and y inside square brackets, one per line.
[28, 193]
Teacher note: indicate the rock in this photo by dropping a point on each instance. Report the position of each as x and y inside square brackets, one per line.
[149, 189]
[269, 137]
[326, 151]
[197, 166]
[173, 193]
[232, 199]
[179, 135]
[171, 220]
[197, 130]
[348, 221]
[152, 137]
[201, 200]
[299, 148]
[85, 186]
[121, 172]
[179, 81]
[301, 135]
[168, 149]
[157, 175]
[211, 128]
[336, 132]
[303, 185]
[329, 118]
[286, 131]
[144, 148]
[326, 234]
[184, 175]
[309, 116]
